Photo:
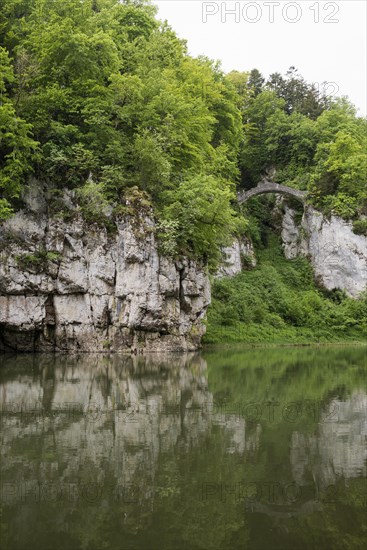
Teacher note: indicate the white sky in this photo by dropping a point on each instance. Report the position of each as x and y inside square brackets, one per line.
[333, 51]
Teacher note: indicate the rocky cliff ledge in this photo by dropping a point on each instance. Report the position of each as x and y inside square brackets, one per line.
[338, 256]
[74, 287]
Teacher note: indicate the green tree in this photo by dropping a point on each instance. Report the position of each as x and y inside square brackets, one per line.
[299, 96]
[205, 218]
[113, 98]
[17, 148]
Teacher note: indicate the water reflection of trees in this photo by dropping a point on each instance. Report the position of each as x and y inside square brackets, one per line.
[151, 434]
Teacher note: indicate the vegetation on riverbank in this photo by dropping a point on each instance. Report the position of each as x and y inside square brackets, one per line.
[278, 302]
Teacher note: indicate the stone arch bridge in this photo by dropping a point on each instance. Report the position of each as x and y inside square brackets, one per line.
[271, 187]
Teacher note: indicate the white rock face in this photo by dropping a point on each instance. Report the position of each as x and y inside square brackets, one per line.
[69, 287]
[235, 256]
[338, 256]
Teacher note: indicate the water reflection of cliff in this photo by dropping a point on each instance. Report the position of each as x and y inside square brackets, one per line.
[338, 449]
[151, 425]
[124, 411]
[96, 415]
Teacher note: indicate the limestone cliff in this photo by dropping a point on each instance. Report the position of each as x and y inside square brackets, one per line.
[338, 256]
[237, 257]
[75, 287]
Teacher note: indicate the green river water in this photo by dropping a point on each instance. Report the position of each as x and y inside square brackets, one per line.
[229, 448]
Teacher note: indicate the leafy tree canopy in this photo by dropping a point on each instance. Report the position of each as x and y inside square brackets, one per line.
[104, 92]
[304, 140]
[101, 97]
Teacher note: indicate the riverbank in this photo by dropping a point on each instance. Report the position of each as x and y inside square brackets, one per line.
[280, 303]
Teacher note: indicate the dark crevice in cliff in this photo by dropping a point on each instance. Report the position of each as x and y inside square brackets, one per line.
[4, 340]
[50, 321]
[13, 340]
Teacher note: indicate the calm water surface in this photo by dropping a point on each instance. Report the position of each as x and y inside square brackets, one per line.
[253, 449]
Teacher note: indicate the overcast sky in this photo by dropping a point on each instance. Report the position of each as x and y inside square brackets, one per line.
[325, 41]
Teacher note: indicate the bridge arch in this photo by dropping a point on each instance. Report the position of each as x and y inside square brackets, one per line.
[271, 187]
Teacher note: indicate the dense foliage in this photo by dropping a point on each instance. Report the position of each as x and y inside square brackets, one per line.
[99, 94]
[99, 97]
[303, 139]
[279, 302]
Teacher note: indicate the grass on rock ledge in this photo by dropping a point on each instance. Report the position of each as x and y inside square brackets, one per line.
[279, 302]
